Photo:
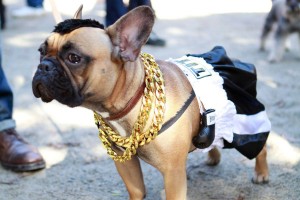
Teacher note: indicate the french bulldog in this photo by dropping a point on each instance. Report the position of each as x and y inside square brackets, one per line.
[286, 15]
[84, 64]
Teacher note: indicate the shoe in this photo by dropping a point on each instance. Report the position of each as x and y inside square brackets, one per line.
[18, 155]
[154, 40]
[28, 12]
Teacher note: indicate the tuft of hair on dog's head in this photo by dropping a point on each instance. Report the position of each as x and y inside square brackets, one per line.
[70, 25]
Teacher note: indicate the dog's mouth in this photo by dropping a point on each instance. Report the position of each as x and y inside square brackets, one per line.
[55, 91]
[51, 82]
[40, 91]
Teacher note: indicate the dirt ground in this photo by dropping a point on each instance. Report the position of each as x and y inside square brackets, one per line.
[77, 164]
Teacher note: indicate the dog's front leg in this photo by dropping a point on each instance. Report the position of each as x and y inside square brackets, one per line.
[175, 182]
[270, 20]
[277, 51]
[131, 173]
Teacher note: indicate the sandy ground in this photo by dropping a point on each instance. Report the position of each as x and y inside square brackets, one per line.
[77, 165]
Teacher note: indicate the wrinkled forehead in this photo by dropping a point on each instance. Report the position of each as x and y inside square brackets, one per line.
[79, 33]
[87, 40]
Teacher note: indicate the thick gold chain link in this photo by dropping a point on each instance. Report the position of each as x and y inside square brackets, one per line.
[154, 94]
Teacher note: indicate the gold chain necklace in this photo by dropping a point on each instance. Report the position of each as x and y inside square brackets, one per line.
[154, 94]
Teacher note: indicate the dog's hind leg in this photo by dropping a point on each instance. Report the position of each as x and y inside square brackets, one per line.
[131, 173]
[261, 168]
[214, 157]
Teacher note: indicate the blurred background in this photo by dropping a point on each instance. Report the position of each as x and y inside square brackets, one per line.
[77, 164]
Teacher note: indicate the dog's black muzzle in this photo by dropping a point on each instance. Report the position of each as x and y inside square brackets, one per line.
[51, 82]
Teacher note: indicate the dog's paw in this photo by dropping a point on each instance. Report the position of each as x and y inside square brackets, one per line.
[212, 161]
[273, 59]
[214, 157]
[260, 179]
[262, 49]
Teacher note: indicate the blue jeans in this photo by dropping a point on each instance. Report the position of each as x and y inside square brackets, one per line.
[116, 9]
[35, 3]
[6, 102]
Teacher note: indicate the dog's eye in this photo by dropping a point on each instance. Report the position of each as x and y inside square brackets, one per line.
[42, 51]
[73, 58]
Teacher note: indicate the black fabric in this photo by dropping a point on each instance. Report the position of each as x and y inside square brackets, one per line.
[240, 85]
[239, 80]
[248, 145]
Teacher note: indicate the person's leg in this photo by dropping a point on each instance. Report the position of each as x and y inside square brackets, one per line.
[135, 3]
[153, 39]
[6, 98]
[15, 153]
[114, 10]
[32, 8]
[2, 14]
[35, 3]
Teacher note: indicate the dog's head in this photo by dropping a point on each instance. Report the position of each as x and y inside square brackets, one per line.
[293, 7]
[80, 60]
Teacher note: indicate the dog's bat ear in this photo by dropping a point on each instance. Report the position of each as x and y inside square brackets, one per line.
[78, 13]
[131, 32]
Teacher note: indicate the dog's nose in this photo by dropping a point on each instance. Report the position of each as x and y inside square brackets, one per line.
[46, 66]
[43, 67]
